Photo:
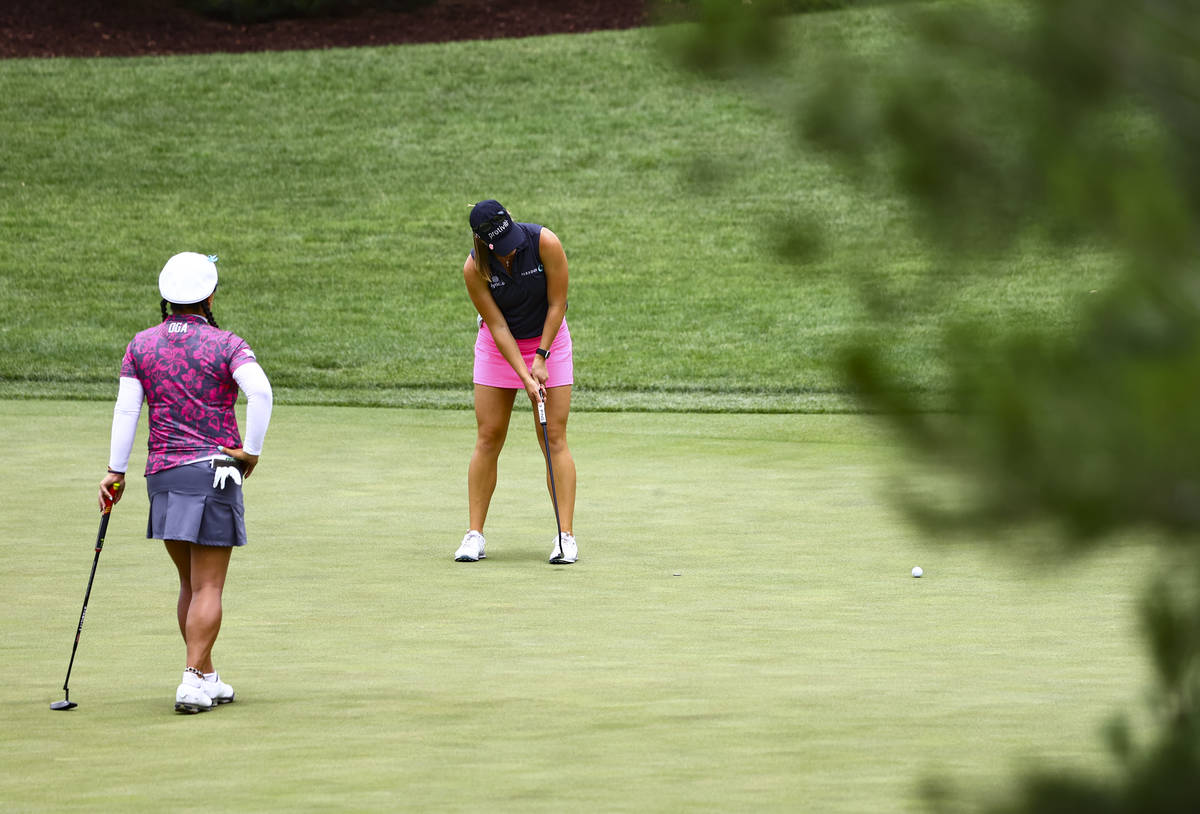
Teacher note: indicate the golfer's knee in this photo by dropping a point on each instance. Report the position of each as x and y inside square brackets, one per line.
[489, 442]
[557, 437]
[207, 589]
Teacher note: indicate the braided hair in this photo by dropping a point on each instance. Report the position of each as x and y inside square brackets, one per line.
[203, 305]
[208, 314]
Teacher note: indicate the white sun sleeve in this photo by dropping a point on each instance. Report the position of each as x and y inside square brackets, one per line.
[252, 379]
[125, 421]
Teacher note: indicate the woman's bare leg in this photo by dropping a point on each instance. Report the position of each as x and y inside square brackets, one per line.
[202, 571]
[493, 409]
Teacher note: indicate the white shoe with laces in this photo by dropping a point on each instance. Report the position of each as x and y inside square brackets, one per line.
[216, 689]
[191, 698]
[471, 548]
[565, 550]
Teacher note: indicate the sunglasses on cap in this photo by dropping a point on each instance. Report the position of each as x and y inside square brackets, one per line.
[492, 226]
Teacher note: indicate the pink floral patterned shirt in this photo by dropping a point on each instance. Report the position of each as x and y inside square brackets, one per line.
[186, 368]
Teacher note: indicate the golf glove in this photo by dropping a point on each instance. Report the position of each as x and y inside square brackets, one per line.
[221, 473]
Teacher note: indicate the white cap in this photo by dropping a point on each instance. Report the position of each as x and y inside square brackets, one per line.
[188, 278]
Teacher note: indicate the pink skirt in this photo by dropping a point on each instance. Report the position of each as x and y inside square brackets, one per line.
[493, 370]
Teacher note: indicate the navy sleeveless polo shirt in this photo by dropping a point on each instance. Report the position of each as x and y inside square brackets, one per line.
[522, 296]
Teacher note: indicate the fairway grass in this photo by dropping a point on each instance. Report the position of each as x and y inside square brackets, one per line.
[793, 663]
[335, 186]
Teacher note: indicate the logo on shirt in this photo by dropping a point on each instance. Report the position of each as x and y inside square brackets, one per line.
[177, 328]
[537, 270]
[495, 282]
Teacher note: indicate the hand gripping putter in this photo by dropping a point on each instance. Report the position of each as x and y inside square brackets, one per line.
[541, 410]
[67, 703]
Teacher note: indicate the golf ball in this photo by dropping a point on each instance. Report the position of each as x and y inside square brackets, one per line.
[917, 571]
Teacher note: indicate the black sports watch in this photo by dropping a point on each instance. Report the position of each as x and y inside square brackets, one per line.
[545, 354]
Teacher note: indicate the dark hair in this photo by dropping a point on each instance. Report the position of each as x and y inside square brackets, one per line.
[183, 309]
[208, 314]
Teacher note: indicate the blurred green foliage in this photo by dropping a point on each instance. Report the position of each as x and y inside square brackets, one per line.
[1070, 125]
[733, 33]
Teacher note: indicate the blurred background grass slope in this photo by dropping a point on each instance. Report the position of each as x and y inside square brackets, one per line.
[335, 186]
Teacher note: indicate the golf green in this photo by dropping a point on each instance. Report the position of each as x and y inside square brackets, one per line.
[741, 632]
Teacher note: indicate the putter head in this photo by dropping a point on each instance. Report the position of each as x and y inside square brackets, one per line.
[64, 704]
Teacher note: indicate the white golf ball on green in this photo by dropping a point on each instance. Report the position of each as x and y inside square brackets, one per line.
[917, 571]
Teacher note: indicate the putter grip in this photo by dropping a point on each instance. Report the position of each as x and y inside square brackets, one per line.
[109, 505]
[542, 412]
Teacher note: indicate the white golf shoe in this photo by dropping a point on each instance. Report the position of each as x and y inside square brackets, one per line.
[216, 689]
[471, 548]
[565, 550]
[191, 698]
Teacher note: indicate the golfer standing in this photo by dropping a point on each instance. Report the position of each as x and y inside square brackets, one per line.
[517, 278]
[189, 371]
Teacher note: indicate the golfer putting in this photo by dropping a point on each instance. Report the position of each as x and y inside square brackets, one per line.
[516, 276]
[188, 371]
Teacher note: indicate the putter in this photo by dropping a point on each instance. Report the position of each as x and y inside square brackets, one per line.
[541, 409]
[67, 703]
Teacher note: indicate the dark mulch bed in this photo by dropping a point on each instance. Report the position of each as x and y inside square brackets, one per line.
[75, 28]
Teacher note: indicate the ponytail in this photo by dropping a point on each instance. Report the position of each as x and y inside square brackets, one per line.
[483, 258]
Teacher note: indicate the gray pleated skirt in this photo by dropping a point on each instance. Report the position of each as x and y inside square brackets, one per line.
[184, 505]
